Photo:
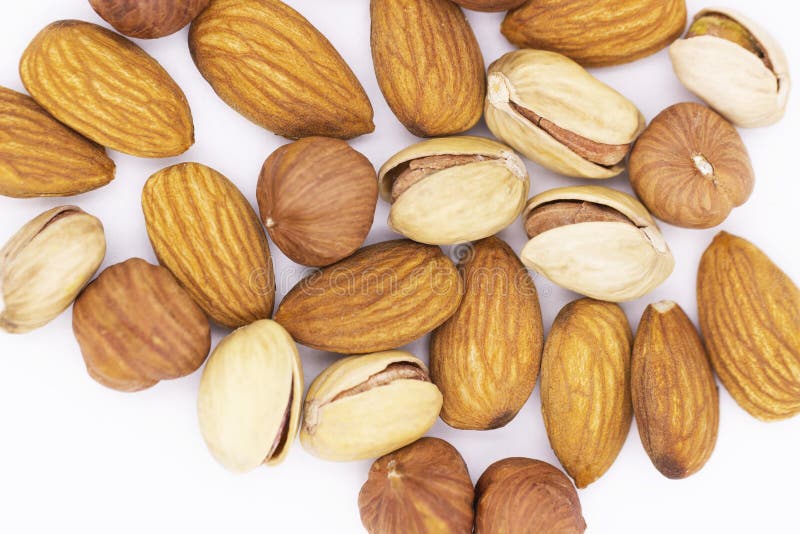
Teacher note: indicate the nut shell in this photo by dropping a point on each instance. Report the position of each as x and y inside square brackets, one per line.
[361, 407]
[136, 326]
[690, 167]
[206, 233]
[40, 157]
[424, 488]
[750, 320]
[266, 61]
[383, 296]
[674, 393]
[485, 358]
[432, 79]
[148, 19]
[597, 33]
[46, 264]
[586, 387]
[250, 395]
[526, 496]
[317, 199]
[108, 89]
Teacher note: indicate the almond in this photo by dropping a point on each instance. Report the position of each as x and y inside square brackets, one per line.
[485, 358]
[750, 319]
[40, 157]
[490, 5]
[266, 61]
[203, 230]
[586, 387]
[429, 65]
[148, 19]
[382, 297]
[675, 396]
[108, 89]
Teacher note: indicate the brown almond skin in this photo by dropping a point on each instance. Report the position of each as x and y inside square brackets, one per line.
[423, 488]
[524, 496]
[750, 320]
[429, 65]
[490, 5]
[40, 157]
[382, 297]
[148, 19]
[674, 393]
[266, 61]
[586, 387]
[317, 198]
[108, 89]
[485, 358]
[136, 326]
[597, 33]
[206, 233]
[690, 167]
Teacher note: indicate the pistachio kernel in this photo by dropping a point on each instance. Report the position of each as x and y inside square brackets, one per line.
[565, 212]
[724, 27]
[411, 172]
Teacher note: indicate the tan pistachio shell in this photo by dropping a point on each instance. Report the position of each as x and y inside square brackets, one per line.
[563, 92]
[612, 261]
[461, 203]
[730, 78]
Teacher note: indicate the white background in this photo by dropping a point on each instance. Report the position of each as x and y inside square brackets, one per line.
[77, 456]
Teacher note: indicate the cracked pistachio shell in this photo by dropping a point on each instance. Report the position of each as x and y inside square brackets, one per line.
[731, 79]
[250, 395]
[458, 203]
[46, 264]
[610, 261]
[353, 411]
[561, 91]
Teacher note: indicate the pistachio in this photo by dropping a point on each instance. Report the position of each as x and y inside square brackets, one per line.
[367, 406]
[549, 108]
[453, 189]
[46, 264]
[250, 393]
[735, 66]
[596, 241]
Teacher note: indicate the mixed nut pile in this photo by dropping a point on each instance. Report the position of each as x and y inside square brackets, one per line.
[91, 88]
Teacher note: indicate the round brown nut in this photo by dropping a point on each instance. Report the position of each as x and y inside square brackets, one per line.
[423, 488]
[526, 496]
[690, 167]
[148, 19]
[136, 326]
[317, 198]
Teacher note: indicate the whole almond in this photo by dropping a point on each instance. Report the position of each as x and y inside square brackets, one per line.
[383, 296]
[485, 358]
[317, 199]
[266, 61]
[148, 19]
[40, 157]
[750, 319]
[107, 88]
[429, 65]
[136, 326]
[203, 230]
[597, 33]
[675, 397]
[586, 387]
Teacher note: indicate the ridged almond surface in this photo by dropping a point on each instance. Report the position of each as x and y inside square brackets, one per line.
[382, 297]
[597, 33]
[40, 157]
[586, 387]
[485, 358]
[675, 397]
[148, 19]
[429, 65]
[136, 326]
[424, 488]
[266, 61]
[203, 230]
[107, 88]
[750, 320]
